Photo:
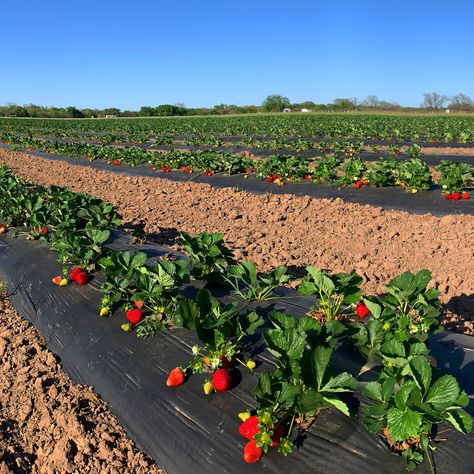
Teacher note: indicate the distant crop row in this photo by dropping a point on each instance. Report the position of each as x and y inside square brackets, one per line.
[438, 128]
[413, 174]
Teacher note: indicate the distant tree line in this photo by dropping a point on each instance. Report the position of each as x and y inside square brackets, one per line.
[432, 101]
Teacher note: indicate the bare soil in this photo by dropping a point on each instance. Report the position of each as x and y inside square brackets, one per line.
[48, 424]
[285, 229]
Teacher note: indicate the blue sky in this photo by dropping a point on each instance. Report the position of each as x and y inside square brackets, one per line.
[127, 54]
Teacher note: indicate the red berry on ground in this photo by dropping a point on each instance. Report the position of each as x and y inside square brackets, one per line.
[448, 196]
[465, 195]
[362, 310]
[222, 380]
[358, 184]
[456, 196]
[134, 316]
[82, 278]
[175, 377]
[249, 428]
[138, 304]
[252, 452]
[74, 272]
[116, 162]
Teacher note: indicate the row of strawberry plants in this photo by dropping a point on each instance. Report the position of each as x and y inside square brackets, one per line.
[412, 174]
[409, 398]
[386, 127]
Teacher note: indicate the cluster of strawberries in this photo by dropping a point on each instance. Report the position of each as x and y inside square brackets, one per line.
[249, 429]
[274, 178]
[361, 182]
[221, 378]
[77, 274]
[456, 196]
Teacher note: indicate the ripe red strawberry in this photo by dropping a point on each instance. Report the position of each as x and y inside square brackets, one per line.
[165, 169]
[74, 272]
[116, 162]
[270, 179]
[465, 195]
[208, 173]
[222, 380]
[362, 310]
[82, 278]
[44, 230]
[358, 184]
[448, 196]
[456, 196]
[252, 452]
[2, 228]
[175, 377]
[249, 428]
[134, 316]
[138, 304]
[153, 168]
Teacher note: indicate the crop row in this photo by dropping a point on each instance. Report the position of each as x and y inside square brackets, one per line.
[406, 402]
[411, 128]
[412, 174]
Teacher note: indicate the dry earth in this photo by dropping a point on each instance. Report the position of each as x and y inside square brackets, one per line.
[285, 229]
[48, 424]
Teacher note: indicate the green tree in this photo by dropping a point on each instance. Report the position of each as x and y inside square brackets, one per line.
[275, 103]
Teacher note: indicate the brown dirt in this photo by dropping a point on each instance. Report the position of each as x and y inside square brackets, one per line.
[48, 424]
[286, 229]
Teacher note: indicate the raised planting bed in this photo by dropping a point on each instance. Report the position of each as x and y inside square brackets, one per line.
[179, 426]
[396, 198]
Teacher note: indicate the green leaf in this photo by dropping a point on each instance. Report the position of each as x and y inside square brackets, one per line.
[320, 359]
[374, 308]
[461, 421]
[288, 394]
[307, 288]
[185, 314]
[373, 391]
[403, 424]
[443, 392]
[421, 371]
[338, 403]
[340, 383]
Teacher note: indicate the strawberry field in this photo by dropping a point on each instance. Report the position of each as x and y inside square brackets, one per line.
[258, 370]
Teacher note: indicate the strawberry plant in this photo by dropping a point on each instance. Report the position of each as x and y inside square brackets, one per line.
[381, 173]
[221, 328]
[337, 295]
[414, 175]
[409, 399]
[302, 384]
[455, 177]
[82, 248]
[250, 286]
[156, 289]
[415, 151]
[325, 169]
[209, 257]
[354, 170]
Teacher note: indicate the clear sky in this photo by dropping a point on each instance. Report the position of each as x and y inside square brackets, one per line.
[105, 53]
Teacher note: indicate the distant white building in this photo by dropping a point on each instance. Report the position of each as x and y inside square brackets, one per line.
[305, 111]
[286, 110]
[110, 116]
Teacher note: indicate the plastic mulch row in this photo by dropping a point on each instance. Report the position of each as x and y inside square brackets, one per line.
[181, 428]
